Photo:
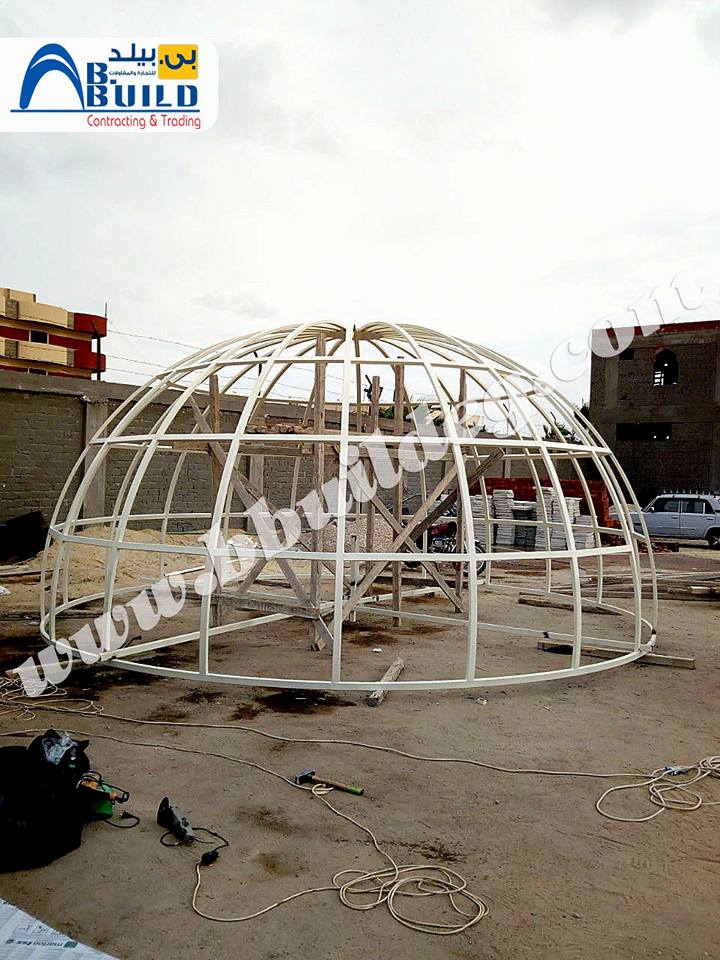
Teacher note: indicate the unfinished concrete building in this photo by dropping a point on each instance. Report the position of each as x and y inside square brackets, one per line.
[657, 403]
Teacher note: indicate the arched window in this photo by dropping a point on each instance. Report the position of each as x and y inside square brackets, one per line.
[665, 368]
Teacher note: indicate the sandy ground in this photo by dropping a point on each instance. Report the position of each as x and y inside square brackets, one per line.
[561, 881]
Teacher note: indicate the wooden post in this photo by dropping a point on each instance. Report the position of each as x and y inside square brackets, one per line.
[373, 424]
[354, 566]
[217, 469]
[419, 522]
[317, 641]
[256, 476]
[460, 526]
[399, 408]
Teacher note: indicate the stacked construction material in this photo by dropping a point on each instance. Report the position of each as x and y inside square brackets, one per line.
[584, 540]
[558, 539]
[479, 504]
[503, 501]
[557, 532]
[524, 535]
[544, 495]
[533, 536]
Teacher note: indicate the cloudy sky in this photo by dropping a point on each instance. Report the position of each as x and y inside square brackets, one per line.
[507, 170]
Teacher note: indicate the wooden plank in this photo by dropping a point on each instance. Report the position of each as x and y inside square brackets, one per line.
[216, 467]
[421, 521]
[588, 606]
[214, 420]
[271, 604]
[34, 616]
[248, 492]
[397, 543]
[431, 567]
[392, 673]
[305, 449]
[460, 529]
[370, 506]
[398, 423]
[603, 653]
[11, 572]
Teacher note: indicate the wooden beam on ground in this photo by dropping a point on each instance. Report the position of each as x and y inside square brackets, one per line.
[74, 613]
[392, 673]
[270, 604]
[604, 653]
[589, 606]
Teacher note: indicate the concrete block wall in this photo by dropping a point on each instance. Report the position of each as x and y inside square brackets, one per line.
[45, 423]
[39, 444]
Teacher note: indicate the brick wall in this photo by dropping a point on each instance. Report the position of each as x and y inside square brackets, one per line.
[41, 437]
[43, 429]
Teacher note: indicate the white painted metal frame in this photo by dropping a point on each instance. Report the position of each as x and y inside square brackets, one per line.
[532, 411]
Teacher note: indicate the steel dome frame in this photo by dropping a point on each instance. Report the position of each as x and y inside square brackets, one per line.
[346, 349]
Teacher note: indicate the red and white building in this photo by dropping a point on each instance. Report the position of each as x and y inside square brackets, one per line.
[41, 338]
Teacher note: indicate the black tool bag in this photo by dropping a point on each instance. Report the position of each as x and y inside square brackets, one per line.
[41, 811]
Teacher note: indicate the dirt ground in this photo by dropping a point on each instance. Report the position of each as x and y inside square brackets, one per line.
[560, 880]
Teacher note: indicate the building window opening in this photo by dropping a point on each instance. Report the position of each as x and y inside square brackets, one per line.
[37, 337]
[645, 432]
[665, 369]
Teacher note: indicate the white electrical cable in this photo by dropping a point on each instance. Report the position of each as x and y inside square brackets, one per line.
[12, 691]
[386, 885]
[353, 886]
[383, 886]
[668, 793]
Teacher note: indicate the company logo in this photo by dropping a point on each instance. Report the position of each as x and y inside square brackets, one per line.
[177, 61]
[107, 84]
[50, 57]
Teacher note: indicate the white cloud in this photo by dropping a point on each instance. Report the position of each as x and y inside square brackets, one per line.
[506, 172]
